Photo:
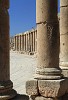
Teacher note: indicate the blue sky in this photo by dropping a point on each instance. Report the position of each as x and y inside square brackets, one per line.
[22, 15]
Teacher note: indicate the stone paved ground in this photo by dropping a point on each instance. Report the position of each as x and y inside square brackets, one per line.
[22, 68]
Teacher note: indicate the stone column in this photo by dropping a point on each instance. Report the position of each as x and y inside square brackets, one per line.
[48, 82]
[47, 40]
[22, 42]
[64, 37]
[6, 91]
[31, 41]
[16, 42]
[35, 41]
[19, 42]
[26, 42]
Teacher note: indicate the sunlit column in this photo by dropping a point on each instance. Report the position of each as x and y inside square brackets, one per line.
[26, 42]
[47, 40]
[36, 41]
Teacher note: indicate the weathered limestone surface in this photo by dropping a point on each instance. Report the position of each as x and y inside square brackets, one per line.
[64, 37]
[47, 40]
[47, 88]
[6, 85]
[52, 88]
[63, 3]
[32, 87]
[46, 10]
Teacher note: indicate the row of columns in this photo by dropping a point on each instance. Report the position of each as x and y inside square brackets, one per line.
[49, 81]
[26, 42]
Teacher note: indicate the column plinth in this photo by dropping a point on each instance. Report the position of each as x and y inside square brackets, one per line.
[6, 91]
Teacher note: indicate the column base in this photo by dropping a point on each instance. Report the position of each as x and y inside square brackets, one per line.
[32, 87]
[8, 95]
[6, 91]
[64, 68]
[47, 88]
[53, 88]
[48, 73]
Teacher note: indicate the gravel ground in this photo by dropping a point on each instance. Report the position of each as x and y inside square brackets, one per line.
[22, 68]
